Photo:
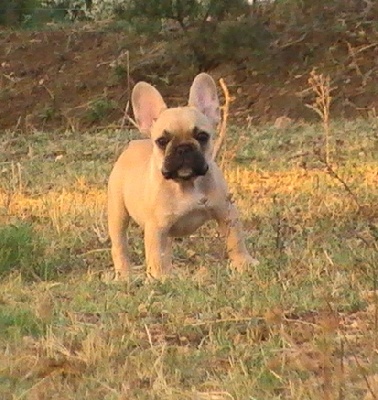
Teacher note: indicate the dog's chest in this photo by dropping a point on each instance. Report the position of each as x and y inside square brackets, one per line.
[190, 222]
[191, 212]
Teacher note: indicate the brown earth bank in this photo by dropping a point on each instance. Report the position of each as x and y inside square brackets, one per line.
[79, 77]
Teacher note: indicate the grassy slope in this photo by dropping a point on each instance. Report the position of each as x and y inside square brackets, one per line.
[302, 325]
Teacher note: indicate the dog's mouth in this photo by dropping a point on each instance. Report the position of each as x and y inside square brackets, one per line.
[185, 173]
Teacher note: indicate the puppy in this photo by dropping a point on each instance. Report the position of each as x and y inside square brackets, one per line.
[169, 184]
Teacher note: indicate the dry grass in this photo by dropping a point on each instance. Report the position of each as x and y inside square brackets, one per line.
[302, 325]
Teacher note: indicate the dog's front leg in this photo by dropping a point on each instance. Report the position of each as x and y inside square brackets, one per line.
[158, 249]
[231, 228]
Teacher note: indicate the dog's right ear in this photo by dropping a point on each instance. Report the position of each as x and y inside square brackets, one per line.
[147, 105]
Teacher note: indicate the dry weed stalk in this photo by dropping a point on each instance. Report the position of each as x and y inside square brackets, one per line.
[223, 125]
[14, 185]
[321, 86]
[126, 116]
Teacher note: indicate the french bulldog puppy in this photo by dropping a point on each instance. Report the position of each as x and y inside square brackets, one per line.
[169, 184]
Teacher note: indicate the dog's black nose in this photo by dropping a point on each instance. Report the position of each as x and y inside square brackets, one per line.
[184, 148]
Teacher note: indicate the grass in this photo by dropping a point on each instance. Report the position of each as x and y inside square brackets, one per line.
[302, 325]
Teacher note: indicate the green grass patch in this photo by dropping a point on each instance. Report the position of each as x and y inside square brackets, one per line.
[16, 247]
[16, 323]
[23, 250]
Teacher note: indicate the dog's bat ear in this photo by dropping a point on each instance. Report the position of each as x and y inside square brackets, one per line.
[147, 105]
[203, 95]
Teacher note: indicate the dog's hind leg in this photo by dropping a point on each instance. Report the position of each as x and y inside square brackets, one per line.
[118, 221]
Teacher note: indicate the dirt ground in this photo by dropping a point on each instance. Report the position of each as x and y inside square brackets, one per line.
[80, 77]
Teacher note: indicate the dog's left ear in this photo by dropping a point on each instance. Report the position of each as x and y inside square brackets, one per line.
[203, 95]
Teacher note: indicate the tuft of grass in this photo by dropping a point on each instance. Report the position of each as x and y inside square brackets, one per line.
[17, 248]
[23, 250]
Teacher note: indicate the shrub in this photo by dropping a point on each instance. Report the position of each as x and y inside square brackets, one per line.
[183, 11]
[14, 12]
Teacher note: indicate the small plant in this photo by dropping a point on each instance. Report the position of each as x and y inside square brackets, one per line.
[48, 113]
[321, 86]
[120, 71]
[100, 108]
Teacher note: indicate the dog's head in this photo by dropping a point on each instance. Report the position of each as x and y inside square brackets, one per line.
[182, 136]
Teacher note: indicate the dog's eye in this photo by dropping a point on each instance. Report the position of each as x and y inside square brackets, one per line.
[162, 142]
[202, 137]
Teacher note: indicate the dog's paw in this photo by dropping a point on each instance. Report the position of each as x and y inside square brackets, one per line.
[241, 262]
[121, 276]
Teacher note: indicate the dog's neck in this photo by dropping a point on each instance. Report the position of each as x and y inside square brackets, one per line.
[185, 188]
[187, 185]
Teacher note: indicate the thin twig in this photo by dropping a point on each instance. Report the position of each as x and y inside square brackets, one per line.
[226, 320]
[126, 112]
[126, 117]
[294, 42]
[365, 377]
[94, 251]
[363, 48]
[334, 174]
[352, 55]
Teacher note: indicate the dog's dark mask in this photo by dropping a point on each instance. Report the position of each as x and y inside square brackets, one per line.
[183, 162]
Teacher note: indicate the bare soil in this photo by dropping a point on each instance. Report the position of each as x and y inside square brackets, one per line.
[80, 77]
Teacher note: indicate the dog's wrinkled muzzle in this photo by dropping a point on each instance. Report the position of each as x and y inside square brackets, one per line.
[184, 163]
